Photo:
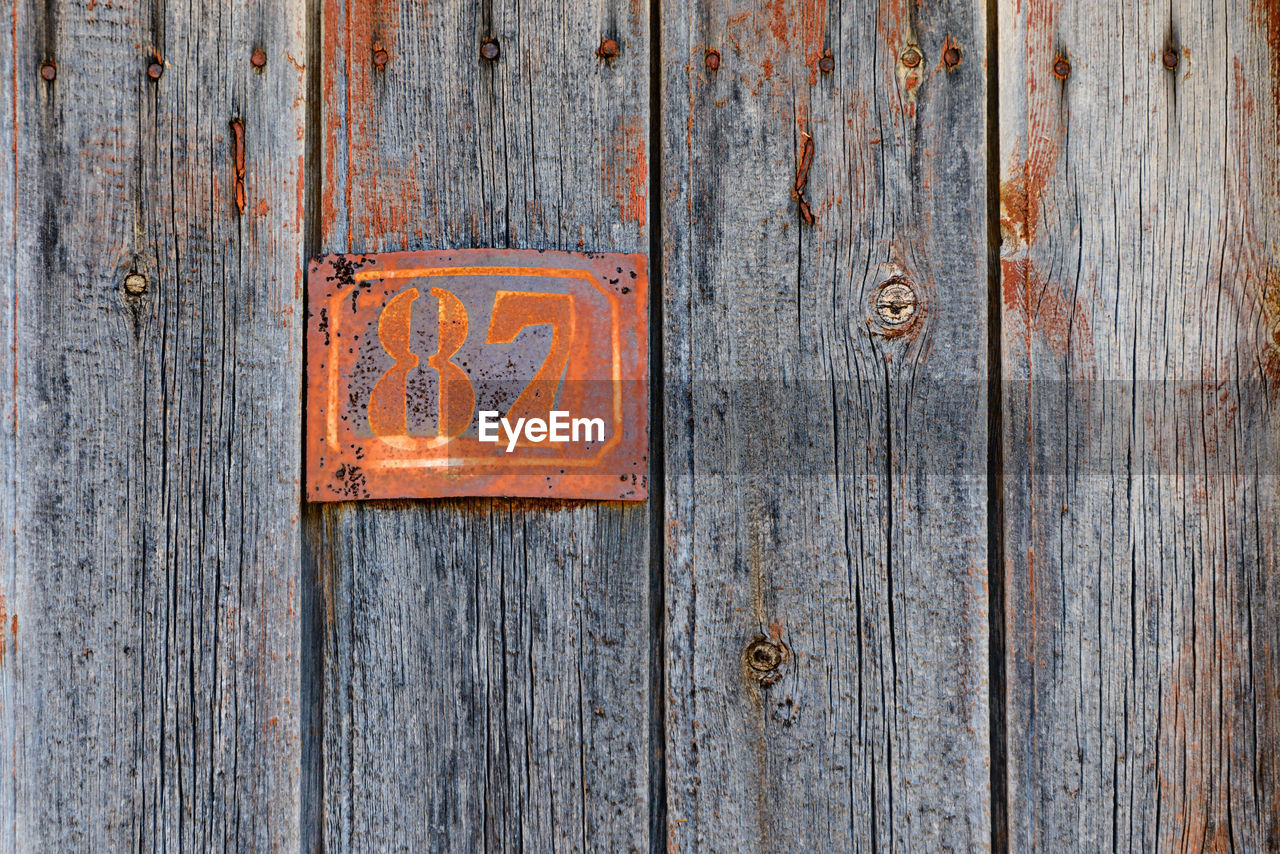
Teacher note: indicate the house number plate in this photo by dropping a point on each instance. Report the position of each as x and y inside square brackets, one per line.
[477, 372]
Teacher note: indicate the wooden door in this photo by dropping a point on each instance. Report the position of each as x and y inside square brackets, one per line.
[965, 347]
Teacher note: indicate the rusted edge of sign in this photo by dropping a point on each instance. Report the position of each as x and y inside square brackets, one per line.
[417, 360]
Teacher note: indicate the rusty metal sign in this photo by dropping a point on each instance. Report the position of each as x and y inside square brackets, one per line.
[477, 372]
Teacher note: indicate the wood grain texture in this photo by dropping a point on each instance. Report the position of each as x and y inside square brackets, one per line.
[149, 675]
[486, 662]
[825, 482]
[1140, 323]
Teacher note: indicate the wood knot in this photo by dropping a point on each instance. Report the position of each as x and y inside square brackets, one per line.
[895, 307]
[764, 656]
[135, 284]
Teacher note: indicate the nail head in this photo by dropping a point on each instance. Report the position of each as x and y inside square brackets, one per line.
[608, 49]
[951, 56]
[1171, 59]
[911, 57]
[827, 64]
[48, 69]
[380, 57]
[258, 58]
[155, 69]
[489, 50]
[1062, 68]
[712, 59]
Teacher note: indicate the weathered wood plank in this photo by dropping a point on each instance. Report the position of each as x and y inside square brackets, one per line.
[149, 674]
[486, 667]
[8, 530]
[825, 475]
[1141, 435]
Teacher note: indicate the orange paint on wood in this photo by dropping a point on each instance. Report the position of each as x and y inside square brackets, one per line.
[378, 194]
[1049, 313]
[1266, 14]
[627, 169]
[782, 36]
[1021, 193]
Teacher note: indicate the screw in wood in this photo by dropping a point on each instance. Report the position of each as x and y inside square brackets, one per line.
[1062, 68]
[827, 64]
[764, 655]
[135, 284]
[712, 59]
[911, 57]
[1171, 59]
[608, 49]
[895, 302]
[380, 57]
[951, 56]
[258, 59]
[155, 68]
[49, 70]
[489, 50]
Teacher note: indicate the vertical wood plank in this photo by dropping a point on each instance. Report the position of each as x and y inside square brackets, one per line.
[149, 667]
[8, 429]
[1141, 318]
[826, 534]
[486, 662]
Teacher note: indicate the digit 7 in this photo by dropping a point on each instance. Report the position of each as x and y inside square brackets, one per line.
[512, 312]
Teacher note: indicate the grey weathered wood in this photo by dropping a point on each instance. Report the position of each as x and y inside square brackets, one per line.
[149, 677]
[1141, 436]
[826, 485]
[8, 568]
[486, 662]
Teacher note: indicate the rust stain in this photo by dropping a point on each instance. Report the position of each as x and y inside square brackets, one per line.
[237, 133]
[806, 161]
[3, 615]
[951, 54]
